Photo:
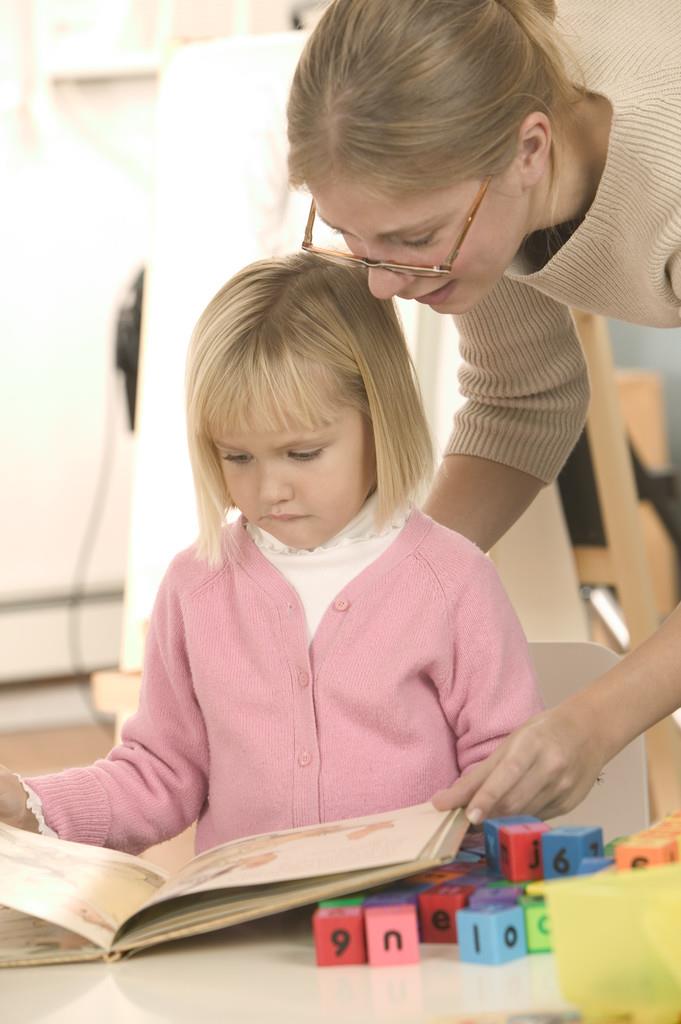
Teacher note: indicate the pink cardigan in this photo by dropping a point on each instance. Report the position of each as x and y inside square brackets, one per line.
[417, 669]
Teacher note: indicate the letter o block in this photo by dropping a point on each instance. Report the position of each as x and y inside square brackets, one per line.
[339, 936]
[392, 935]
[491, 935]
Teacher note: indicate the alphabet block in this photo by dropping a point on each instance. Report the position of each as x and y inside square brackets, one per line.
[437, 911]
[642, 853]
[343, 901]
[339, 936]
[491, 831]
[564, 848]
[590, 865]
[488, 895]
[537, 925]
[520, 851]
[491, 935]
[392, 935]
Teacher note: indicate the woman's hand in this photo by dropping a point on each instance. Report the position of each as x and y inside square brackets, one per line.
[13, 809]
[544, 768]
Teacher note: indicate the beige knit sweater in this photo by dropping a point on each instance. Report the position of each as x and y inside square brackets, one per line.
[524, 373]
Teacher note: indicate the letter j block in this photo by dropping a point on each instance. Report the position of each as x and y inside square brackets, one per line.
[392, 934]
[520, 854]
[339, 936]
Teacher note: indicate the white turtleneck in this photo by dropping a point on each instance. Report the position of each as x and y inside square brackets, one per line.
[319, 575]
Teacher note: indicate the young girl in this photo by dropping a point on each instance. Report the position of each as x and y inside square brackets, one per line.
[333, 652]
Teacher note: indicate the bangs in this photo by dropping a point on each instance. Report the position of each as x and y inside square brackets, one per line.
[266, 390]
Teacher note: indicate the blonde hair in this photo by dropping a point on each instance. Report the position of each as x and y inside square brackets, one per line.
[288, 342]
[410, 95]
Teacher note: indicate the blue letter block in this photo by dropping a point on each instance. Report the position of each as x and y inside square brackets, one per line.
[492, 935]
[491, 829]
[563, 849]
[590, 865]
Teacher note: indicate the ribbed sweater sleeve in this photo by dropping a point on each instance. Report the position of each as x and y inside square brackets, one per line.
[154, 783]
[525, 379]
[490, 687]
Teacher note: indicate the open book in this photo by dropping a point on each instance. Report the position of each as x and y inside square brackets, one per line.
[62, 901]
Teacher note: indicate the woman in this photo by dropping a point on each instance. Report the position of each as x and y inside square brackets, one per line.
[502, 161]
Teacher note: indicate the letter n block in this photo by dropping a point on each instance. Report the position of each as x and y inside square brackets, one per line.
[520, 855]
[339, 936]
[437, 911]
[491, 935]
[392, 935]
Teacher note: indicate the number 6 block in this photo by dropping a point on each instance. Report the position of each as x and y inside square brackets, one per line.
[339, 936]
[563, 849]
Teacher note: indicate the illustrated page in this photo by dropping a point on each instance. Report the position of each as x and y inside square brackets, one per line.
[85, 889]
[334, 847]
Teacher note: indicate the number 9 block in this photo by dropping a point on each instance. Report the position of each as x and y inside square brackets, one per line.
[339, 936]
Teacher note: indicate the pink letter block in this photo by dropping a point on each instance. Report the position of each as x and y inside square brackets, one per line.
[392, 934]
[339, 936]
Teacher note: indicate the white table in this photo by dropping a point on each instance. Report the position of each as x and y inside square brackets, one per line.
[265, 971]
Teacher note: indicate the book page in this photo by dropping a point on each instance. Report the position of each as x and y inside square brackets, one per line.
[85, 889]
[27, 940]
[333, 847]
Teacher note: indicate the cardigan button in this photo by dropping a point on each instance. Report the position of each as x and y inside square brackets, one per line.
[304, 759]
[303, 678]
[341, 604]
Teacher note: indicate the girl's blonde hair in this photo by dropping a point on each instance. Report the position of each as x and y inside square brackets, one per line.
[404, 96]
[288, 342]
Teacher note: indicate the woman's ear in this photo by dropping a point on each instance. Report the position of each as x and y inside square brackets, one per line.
[534, 149]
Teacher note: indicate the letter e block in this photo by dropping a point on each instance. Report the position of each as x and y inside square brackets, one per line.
[437, 911]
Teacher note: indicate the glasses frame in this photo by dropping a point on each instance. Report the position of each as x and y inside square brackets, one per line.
[441, 270]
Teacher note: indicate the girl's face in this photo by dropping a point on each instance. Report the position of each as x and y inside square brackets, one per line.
[422, 230]
[301, 486]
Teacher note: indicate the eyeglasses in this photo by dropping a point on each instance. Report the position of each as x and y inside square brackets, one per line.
[443, 270]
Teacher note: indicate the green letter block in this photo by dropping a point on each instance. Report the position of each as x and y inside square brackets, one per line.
[537, 925]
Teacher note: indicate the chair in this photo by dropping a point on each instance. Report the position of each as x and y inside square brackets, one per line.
[619, 804]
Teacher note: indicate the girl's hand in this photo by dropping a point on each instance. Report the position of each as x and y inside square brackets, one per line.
[13, 809]
[544, 768]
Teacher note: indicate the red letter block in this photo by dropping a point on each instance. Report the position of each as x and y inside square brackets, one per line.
[520, 851]
[392, 934]
[339, 936]
[437, 911]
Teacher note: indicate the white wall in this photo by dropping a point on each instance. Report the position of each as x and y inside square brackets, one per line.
[75, 215]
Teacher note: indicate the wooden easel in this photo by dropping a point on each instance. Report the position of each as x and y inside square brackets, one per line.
[624, 559]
